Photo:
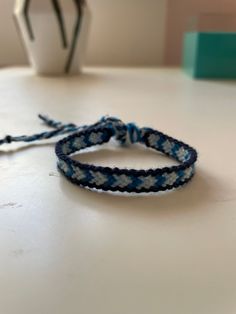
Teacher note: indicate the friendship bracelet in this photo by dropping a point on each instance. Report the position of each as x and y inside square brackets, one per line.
[116, 179]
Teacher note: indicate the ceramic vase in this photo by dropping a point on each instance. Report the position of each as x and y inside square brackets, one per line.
[54, 33]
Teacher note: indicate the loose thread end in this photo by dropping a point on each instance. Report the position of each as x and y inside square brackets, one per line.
[43, 117]
[6, 140]
[49, 122]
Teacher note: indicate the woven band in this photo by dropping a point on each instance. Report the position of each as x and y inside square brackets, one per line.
[116, 179]
[125, 180]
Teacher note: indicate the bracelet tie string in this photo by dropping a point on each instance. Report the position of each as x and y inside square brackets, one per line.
[115, 179]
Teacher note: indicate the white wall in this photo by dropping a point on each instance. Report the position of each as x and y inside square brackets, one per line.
[124, 32]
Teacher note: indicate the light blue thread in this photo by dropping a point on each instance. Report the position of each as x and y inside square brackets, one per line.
[115, 179]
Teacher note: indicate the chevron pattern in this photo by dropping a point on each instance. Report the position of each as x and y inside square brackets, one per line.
[115, 179]
[125, 180]
[102, 180]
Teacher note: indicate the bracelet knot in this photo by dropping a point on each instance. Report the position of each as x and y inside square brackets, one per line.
[125, 133]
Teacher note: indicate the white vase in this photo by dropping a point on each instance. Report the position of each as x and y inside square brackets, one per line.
[54, 33]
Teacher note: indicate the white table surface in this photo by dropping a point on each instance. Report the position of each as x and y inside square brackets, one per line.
[66, 250]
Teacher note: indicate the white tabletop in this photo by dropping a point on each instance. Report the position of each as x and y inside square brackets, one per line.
[66, 250]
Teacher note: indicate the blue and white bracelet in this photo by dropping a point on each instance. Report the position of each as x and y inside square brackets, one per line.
[116, 179]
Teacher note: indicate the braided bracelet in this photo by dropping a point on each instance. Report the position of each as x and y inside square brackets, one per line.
[116, 179]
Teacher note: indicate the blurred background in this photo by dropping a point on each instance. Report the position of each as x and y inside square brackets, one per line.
[124, 32]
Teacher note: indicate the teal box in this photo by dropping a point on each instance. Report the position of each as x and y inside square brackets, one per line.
[210, 54]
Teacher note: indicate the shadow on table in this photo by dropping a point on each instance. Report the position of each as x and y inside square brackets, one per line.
[88, 75]
[8, 150]
[193, 196]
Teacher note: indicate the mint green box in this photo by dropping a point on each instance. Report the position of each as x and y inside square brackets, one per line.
[210, 54]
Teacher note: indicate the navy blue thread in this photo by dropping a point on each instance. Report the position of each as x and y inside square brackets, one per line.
[116, 179]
